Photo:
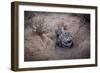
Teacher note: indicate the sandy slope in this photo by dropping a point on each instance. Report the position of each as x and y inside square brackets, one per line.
[42, 46]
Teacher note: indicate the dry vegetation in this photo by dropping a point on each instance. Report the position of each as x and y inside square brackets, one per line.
[40, 37]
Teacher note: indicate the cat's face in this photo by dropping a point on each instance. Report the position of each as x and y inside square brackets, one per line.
[63, 39]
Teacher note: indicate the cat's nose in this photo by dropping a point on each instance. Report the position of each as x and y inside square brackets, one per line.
[69, 41]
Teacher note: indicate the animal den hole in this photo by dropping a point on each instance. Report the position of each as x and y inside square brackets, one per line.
[63, 39]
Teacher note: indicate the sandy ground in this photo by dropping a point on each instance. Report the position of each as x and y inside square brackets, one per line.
[40, 44]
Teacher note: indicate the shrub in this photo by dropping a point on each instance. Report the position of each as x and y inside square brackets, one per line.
[38, 24]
